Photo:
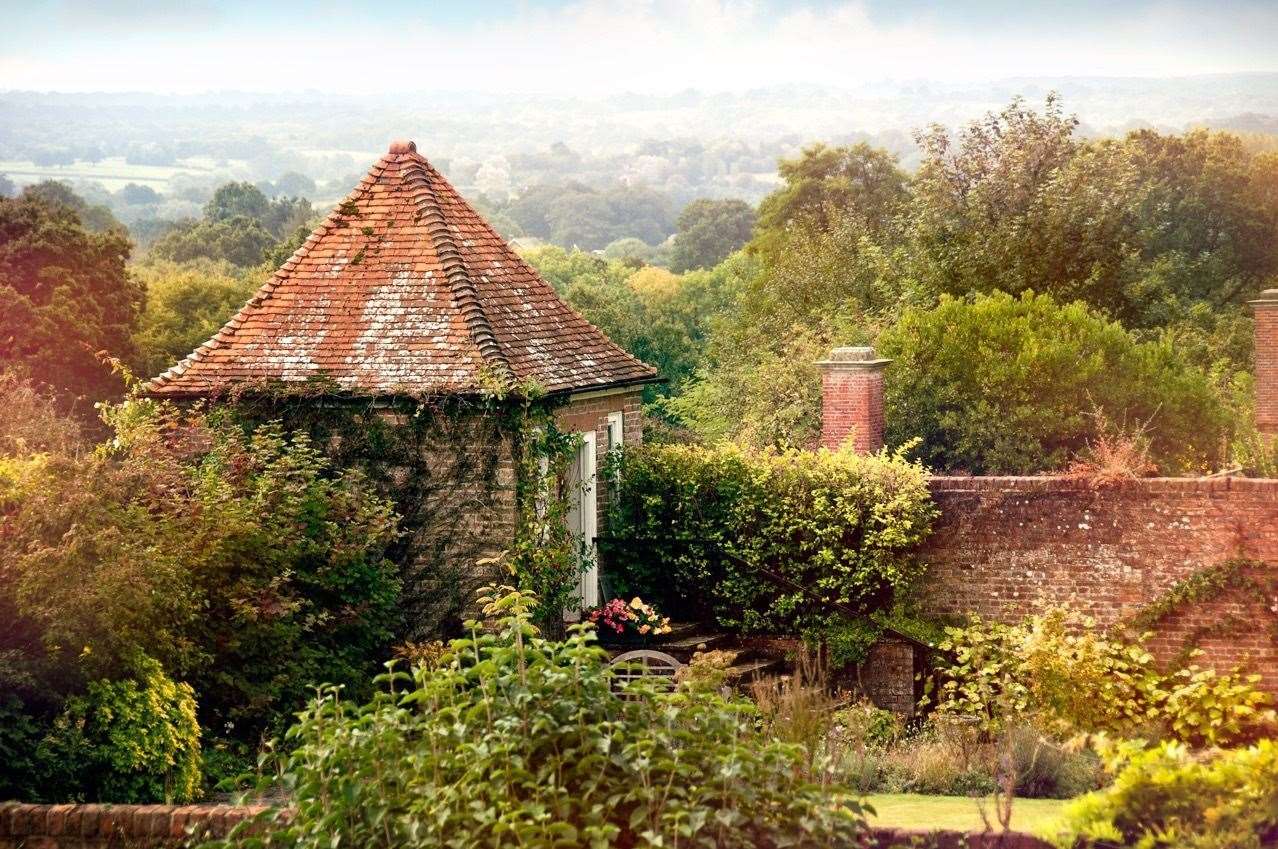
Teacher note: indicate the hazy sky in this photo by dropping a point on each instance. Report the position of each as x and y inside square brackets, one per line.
[597, 47]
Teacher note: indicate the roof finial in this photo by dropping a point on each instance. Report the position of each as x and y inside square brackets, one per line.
[403, 146]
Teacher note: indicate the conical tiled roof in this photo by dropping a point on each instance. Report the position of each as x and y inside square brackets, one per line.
[404, 289]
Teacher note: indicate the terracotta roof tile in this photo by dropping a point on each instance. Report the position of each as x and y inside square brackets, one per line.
[404, 289]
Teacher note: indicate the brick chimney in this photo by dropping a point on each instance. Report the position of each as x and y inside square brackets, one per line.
[1266, 308]
[852, 399]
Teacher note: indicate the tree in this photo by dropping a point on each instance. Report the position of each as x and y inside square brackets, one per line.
[237, 199]
[94, 217]
[185, 305]
[827, 181]
[239, 240]
[7, 188]
[235, 556]
[65, 295]
[136, 195]
[244, 200]
[710, 230]
[575, 215]
[660, 317]
[635, 252]
[293, 184]
[1144, 227]
[997, 384]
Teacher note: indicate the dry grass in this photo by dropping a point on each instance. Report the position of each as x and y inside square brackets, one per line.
[1116, 455]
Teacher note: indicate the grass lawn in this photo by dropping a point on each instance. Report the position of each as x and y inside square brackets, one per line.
[910, 810]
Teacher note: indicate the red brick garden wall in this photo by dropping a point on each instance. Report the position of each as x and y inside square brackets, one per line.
[163, 826]
[103, 826]
[1004, 546]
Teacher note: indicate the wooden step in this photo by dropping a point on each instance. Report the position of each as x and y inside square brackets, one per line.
[693, 643]
[679, 630]
[743, 672]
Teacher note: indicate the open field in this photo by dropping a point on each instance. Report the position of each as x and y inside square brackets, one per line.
[114, 172]
[909, 810]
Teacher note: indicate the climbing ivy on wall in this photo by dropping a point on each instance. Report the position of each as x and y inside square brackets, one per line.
[441, 460]
[1205, 585]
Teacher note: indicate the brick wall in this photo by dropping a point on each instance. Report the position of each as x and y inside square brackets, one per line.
[1266, 310]
[852, 399]
[591, 413]
[164, 826]
[458, 503]
[888, 676]
[111, 826]
[1004, 546]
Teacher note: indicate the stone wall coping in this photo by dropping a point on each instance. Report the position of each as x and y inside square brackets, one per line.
[73, 826]
[1057, 483]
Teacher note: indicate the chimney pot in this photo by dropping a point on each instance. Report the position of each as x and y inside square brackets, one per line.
[1266, 310]
[852, 399]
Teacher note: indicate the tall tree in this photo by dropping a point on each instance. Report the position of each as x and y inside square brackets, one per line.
[185, 305]
[94, 217]
[65, 295]
[708, 231]
[828, 182]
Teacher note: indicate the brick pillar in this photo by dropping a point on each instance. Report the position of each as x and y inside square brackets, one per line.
[852, 399]
[1266, 308]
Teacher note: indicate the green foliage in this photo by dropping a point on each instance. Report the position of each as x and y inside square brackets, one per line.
[134, 740]
[825, 182]
[660, 317]
[520, 741]
[1165, 234]
[185, 305]
[23, 774]
[278, 217]
[574, 215]
[1003, 384]
[95, 217]
[239, 240]
[547, 557]
[693, 525]
[1166, 796]
[1205, 708]
[709, 231]
[238, 559]
[1064, 674]
[64, 296]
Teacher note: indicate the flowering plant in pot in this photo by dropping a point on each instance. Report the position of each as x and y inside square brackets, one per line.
[633, 621]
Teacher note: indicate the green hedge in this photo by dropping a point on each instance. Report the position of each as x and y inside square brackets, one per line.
[690, 526]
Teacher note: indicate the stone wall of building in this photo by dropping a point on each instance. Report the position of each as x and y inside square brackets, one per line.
[457, 493]
[1005, 546]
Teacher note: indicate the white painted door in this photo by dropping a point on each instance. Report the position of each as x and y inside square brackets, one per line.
[583, 519]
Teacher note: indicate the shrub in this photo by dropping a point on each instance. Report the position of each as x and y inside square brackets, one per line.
[1042, 768]
[134, 740]
[520, 741]
[694, 529]
[1167, 797]
[1205, 708]
[238, 559]
[1058, 670]
[865, 726]
[993, 384]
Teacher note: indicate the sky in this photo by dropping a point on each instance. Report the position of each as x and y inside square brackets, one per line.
[575, 47]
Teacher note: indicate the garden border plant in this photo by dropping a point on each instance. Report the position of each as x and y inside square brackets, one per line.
[517, 739]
